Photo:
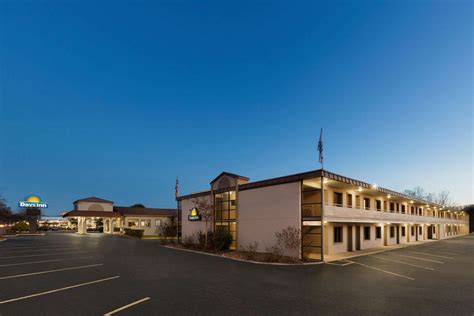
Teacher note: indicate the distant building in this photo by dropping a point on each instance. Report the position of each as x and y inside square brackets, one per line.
[54, 222]
[116, 218]
[355, 215]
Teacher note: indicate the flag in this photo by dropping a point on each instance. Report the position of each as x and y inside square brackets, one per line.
[320, 147]
[176, 189]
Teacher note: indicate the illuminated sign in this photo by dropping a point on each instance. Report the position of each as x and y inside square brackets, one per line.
[194, 215]
[32, 201]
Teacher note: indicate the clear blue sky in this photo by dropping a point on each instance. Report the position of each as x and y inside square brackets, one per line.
[117, 99]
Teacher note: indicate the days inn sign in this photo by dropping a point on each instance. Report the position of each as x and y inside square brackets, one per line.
[32, 201]
[194, 215]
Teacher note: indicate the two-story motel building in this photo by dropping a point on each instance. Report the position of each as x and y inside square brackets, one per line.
[352, 215]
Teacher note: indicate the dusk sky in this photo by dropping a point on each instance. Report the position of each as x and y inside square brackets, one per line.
[116, 100]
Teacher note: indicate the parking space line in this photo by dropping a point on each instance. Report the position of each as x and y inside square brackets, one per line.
[42, 261]
[423, 259]
[427, 254]
[34, 250]
[50, 271]
[384, 271]
[126, 306]
[42, 255]
[58, 290]
[398, 261]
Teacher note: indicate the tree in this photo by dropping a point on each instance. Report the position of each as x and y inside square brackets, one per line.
[5, 212]
[138, 205]
[205, 208]
[441, 198]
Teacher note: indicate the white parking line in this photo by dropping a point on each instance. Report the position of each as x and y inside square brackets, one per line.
[50, 271]
[42, 255]
[57, 290]
[126, 306]
[42, 261]
[427, 254]
[398, 261]
[34, 250]
[36, 247]
[424, 259]
[384, 271]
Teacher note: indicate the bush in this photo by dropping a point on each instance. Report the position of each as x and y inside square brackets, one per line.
[188, 241]
[20, 227]
[289, 240]
[201, 237]
[221, 239]
[250, 251]
[134, 232]
[273, 254]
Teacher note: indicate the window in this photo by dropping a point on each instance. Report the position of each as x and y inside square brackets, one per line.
[412, 210]
[403, 209]
[225, 209]
[392, 207]
[367, 203]
[337, 199]
[133, 223]
[403, 231]
[158, 222]
[419, 211]
[337, 234]
[434, 230]
[145, 223]
[412, 230]
[392, 231]
[378, 232]
[398, 208]
[349, 200]
[420, 229]
[367, 232]
[378, 205]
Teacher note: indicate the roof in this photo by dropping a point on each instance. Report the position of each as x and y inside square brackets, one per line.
[303, 176]
[93, 199]
[124, 210]
[92, 214]
[232, 175]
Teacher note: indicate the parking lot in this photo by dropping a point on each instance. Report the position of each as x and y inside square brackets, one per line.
[68, 274]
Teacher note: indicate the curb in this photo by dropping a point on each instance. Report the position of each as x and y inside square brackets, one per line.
[243, 260]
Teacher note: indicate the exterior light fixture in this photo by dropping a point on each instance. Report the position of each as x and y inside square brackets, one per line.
[411, 202]
[389, 196]
[360, 189]
[374, 186]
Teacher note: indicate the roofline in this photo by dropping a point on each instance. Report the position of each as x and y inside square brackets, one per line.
[309, 175]
[233, 175]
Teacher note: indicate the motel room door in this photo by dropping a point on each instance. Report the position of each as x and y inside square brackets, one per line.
[349, 238]
[398, 234]
[430, 232]
[357, 237]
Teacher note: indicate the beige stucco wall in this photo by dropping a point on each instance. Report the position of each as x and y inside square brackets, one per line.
[85, 206]
[191, 228]
[264, 211]
[153, 229]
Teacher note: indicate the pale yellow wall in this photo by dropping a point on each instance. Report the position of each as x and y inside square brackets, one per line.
[191, 228]
[85, 206]
[153, 229]
[264, 211]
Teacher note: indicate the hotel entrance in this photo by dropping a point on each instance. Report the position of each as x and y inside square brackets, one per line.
[311, 228]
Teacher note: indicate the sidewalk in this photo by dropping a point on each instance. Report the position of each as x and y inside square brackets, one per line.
[352, 254]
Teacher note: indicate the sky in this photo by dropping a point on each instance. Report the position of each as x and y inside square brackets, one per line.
[116, 99]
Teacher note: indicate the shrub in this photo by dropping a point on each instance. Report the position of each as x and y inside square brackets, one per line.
[134, 232]
[221, 239]
[20, 227]
[273, 254]
[289, 240]
[201, 236]
[188, 241]
[250, 251]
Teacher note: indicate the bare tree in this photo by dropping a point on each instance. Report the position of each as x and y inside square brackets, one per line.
[205, 208]
[442, 198]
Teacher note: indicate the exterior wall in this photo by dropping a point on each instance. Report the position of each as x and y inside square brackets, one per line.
[153, 229]
[373, 242]
[86, 206]
[190, 228]
[264, 211]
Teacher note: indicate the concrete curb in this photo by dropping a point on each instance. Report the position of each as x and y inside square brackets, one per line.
[243, 260]
[3, 239]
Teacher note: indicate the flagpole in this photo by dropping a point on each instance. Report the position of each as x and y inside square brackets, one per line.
[176, 193]
[321, 160]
